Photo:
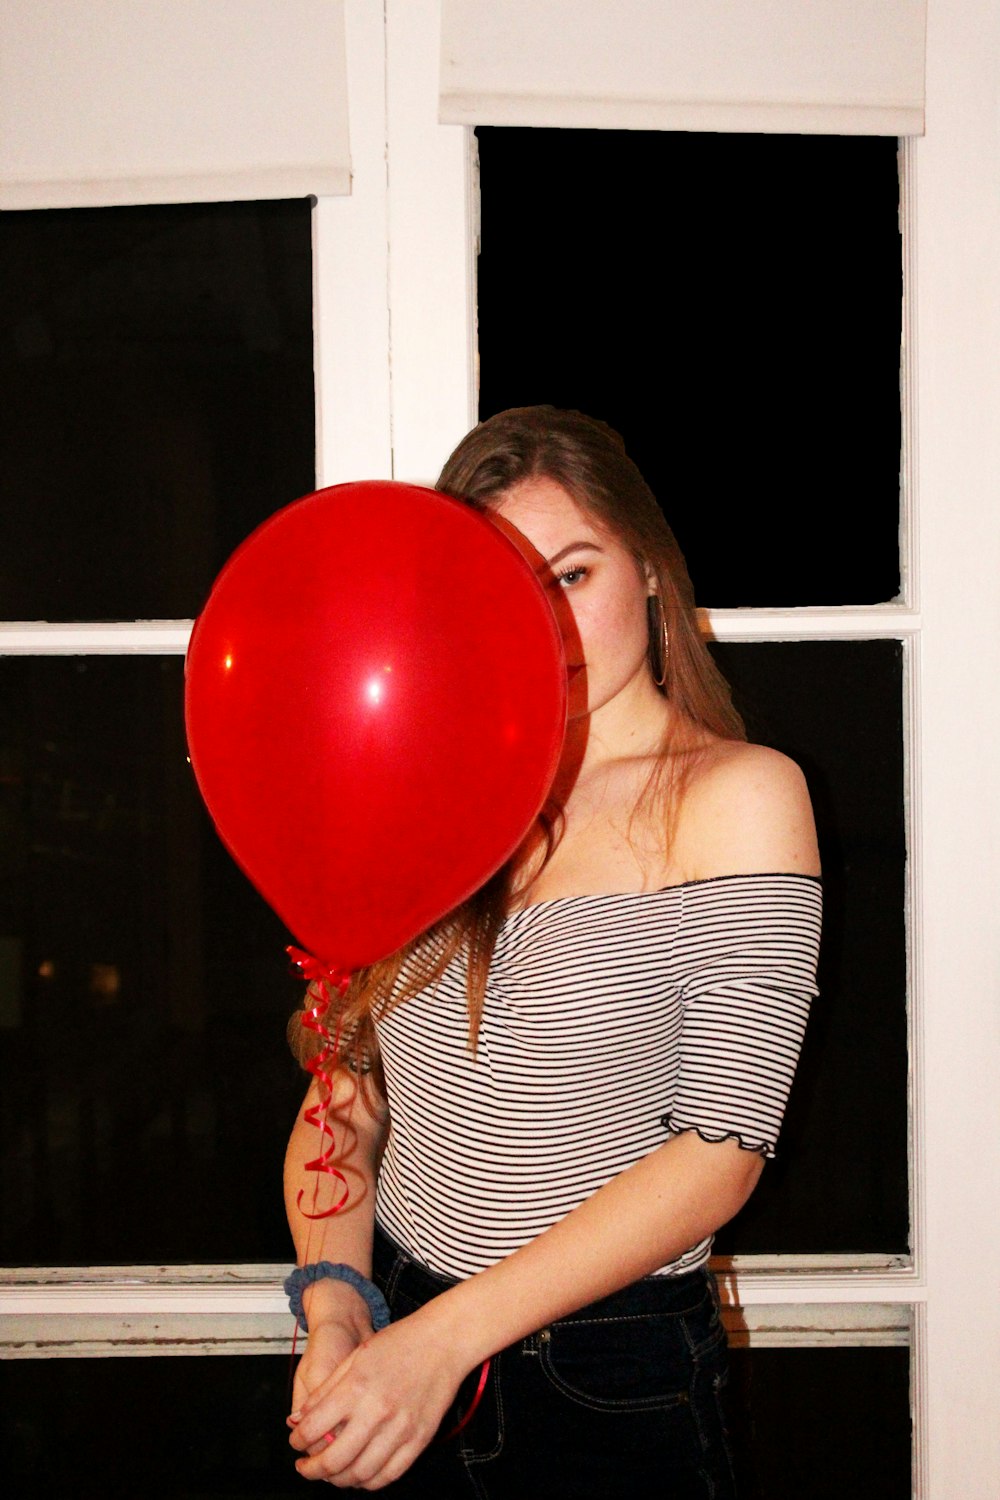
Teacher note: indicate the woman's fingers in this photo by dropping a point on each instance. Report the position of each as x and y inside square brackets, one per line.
[322, 1445]
[322, 1412]
[359, 1451]
[328, 1350]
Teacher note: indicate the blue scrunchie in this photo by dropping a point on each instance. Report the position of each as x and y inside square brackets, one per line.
[303, 1276]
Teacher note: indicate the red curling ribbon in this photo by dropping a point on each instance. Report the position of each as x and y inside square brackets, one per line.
[327, 978]
[323, 979]
[467, 1418]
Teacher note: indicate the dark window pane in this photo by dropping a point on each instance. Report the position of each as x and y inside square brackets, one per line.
[143, 990]
[732, 305]
[808, 1425]
[144, 987]
[821, 1424]
[839, 1183]
[141, 1427]
[156, 399]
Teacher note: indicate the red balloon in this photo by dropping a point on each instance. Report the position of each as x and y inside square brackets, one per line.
[375, 703]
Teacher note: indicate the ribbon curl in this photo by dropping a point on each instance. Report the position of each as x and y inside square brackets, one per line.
[323, 980]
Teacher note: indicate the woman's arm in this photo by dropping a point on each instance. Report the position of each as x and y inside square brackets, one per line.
[645, 1217]
[337, 1315]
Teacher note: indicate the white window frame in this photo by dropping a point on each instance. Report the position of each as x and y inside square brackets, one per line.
[395, 363]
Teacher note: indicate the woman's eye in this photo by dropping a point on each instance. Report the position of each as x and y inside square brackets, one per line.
[570, 577]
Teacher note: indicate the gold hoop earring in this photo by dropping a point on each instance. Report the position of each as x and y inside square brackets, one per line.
[659, 641]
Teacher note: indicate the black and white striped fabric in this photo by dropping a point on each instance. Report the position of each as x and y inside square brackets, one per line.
[611, 1022]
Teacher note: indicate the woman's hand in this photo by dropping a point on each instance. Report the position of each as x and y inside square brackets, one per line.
[368, 1420]
[339, 1321]
[329, 1345]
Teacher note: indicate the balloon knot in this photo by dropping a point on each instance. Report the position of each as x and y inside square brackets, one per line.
[310, 968]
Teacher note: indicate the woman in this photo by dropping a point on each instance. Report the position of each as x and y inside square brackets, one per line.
[583, 1069]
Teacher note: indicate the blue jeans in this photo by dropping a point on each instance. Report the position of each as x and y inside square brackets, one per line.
[619, 1401]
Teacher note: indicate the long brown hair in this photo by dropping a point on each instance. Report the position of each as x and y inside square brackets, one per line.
[588, 459]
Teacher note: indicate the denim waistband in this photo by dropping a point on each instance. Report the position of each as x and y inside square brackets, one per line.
[396, 1270]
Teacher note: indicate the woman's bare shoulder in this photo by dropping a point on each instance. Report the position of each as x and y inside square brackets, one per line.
[746, 810]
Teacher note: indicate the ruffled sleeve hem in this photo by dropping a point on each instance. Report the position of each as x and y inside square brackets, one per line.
[712, 1136]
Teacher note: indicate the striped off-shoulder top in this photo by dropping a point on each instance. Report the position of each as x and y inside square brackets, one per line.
[611, 1022]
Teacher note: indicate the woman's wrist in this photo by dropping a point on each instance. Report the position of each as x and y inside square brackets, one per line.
[451, 1322]
[332, 1301]
[302, 1278]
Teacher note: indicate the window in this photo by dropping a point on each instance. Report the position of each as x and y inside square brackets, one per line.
[158, 399]
[732, 304]
[413, 233]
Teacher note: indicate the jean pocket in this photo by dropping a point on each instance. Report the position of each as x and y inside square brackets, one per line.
[620, 1364]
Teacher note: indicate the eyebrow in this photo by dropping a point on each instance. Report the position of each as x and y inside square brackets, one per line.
[573, 547]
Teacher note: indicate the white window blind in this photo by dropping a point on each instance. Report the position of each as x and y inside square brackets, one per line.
[838, 67]
[163, 101]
